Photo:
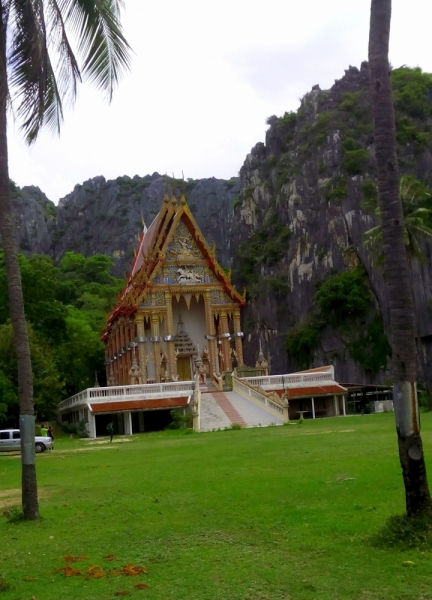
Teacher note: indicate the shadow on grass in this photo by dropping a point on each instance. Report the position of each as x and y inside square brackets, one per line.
[405, 533]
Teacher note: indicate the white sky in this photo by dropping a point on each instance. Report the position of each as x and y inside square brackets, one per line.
[204, 78]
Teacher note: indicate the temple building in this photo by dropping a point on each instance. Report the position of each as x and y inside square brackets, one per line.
[174, 341]
[178, 304]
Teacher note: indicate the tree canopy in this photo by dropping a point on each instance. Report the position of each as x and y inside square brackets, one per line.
[66, 305]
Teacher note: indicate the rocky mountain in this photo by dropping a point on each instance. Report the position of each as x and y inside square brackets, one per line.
[300, 221]
[106, 217]
[34, 219]
[292, 226]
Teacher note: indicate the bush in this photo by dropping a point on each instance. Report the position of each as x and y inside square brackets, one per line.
[355, 161]
[14, 514]
[336, 190]
[411, 90]
[371, 349]
[344, 295]
[180, 421]
[79, 429]
[405, 533]
[301, 341]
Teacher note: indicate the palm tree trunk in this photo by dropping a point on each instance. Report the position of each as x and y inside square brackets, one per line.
[25, 376]
[402, 319]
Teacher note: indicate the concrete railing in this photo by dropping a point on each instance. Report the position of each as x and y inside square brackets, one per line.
[218, 381]
[245, 389]
[151, 391]
[294, 380]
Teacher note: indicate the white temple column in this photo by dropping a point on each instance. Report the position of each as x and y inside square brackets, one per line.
[313, 408]
[336, 406]
[91, 425]
[128, 423]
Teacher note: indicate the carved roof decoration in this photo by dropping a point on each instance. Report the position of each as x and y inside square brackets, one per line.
[175, 237]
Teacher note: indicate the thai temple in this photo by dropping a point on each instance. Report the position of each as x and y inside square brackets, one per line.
[178, 305]
[174, 341]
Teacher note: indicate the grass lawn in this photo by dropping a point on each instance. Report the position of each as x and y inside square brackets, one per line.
[257, 514]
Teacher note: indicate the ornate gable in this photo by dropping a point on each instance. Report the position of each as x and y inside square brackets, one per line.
[183, 247]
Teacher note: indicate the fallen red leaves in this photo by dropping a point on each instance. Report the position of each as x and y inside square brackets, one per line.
[68, 571]
[132, 570]
[98, 572]
[72, 559]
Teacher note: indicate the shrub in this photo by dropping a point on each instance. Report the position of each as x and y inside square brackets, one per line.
[405, 533]
[355, 161]
[14, 514]
[369, 190]
[79, 429]
[412, 89]
[301, 341]
[371, 349]
[179, 421]
[344, 295]
[336, 190]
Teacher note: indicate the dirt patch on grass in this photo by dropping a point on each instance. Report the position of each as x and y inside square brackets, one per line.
[324, 432]
[13, 497]
[115, 441]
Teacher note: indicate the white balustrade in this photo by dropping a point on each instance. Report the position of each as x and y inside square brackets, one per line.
[243, 388]
[118, 393]
[292, 380]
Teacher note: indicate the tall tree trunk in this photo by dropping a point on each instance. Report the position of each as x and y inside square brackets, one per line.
[402, 318]
[25, 375]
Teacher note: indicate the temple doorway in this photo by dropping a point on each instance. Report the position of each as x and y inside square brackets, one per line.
[184, 368]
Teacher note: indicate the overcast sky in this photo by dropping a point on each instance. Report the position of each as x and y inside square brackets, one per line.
[205, 76]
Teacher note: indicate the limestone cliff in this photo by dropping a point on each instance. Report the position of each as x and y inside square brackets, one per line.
[302, 203]
[34, 217]
[106, 216]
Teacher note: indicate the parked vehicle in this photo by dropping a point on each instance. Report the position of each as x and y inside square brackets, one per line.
[10, 440]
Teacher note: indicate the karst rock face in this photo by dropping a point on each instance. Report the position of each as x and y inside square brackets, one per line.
[106, 217]
[313, 175]
[34, 219]
[296, 216]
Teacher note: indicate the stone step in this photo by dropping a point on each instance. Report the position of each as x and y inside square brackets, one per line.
[222, 409]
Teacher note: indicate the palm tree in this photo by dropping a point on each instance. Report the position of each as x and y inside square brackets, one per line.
[38, 72]
[402, 319]
[417, 217]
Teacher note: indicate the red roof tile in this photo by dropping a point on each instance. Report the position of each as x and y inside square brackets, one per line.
[318, 390]
[110, 407]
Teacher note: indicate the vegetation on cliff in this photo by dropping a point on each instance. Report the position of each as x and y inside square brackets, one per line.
[344, 302]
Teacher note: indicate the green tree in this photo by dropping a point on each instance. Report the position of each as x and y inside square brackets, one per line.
[32, 34]
[396, 268]
[415, 200]
[66, 318]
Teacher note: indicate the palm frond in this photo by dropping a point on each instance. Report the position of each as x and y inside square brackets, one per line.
[101, 42]
[68, 73]
[32, 79]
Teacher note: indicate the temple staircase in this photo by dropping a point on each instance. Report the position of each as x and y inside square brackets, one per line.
[221, 409]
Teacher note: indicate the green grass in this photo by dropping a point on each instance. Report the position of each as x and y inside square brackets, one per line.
[257, 514]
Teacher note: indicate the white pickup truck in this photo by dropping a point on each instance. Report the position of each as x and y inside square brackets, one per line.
[10, 440]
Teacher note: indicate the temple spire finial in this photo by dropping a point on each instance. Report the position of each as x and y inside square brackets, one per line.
[173, 199]
[166, 199]
[183, 197]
